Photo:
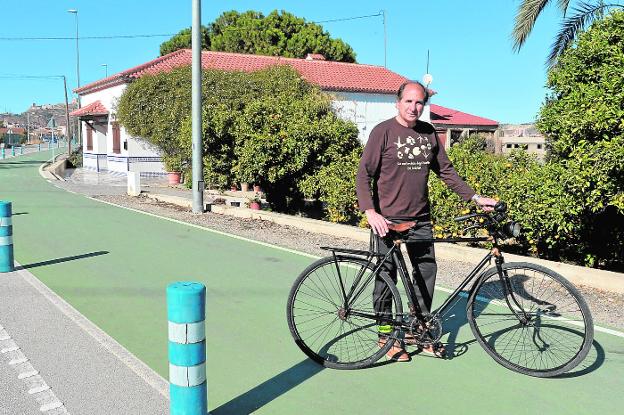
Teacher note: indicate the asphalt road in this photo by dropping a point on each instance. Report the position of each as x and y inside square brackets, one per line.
[112, 265]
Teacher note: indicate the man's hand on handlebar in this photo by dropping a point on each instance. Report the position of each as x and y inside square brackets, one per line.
[485, 203]
[378, 223]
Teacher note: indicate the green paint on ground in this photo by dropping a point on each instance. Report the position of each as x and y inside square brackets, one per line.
[113, 265]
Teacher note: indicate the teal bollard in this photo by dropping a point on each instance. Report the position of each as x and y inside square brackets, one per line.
[3, 154]
[186, 312]
[13, 150]
[6, 237]
[39, 146]
[21, 149]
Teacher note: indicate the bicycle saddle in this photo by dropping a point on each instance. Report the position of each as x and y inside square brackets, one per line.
[401, 227]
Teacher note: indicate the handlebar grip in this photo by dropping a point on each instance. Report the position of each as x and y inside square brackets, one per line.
[465, 217]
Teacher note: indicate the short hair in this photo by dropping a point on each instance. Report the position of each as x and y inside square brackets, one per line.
[404, 84]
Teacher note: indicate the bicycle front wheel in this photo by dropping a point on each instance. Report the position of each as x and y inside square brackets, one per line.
[530, 319]
[331, 314]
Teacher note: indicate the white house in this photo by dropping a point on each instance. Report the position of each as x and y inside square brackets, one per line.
[364, 94]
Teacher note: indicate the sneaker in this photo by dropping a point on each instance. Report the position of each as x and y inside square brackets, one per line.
[396, 352]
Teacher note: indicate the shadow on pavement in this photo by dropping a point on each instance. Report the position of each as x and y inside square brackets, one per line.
[59, 260]
[269, 390]
[594, 359]
[455, 318]
[20, 213]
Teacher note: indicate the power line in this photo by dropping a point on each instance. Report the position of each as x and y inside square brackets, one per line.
[348, 18]
[17, 76]
[86, 37]
[10, 39]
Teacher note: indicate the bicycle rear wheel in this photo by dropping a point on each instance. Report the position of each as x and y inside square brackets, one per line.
[331, 334]
[532, 320]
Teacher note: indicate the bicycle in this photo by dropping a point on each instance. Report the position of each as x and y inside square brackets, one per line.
[527, 318]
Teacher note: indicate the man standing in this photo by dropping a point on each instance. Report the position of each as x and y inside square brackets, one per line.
[395, 165]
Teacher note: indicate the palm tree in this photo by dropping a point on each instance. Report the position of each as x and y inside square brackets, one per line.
[584, 14]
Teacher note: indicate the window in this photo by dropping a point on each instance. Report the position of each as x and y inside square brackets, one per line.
[539, 146]
[116, 138]
[508, 146]
[89, 137]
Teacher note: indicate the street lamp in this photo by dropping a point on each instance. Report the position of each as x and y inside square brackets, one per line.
[75, 13]
[105, 65]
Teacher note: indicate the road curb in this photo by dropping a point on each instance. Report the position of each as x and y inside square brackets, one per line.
[130, 360]
[595, 278]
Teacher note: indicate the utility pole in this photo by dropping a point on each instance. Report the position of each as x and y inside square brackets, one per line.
[197, 170]
[67, 135]
[383, 12]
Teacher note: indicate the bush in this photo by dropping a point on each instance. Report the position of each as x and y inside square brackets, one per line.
[75, 158]
[334, 185]
[269, 127]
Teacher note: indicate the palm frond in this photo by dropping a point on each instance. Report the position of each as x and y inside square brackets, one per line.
[585, 14]
[528, 12]
[563, 6]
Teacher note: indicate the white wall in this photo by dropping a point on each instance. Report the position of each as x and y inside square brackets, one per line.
[365, 110]
[133, 148]
[368, 110]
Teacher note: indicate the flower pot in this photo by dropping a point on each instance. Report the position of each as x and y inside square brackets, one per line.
[244, 187]
[174, 177]
[256, 188]
[254, 206]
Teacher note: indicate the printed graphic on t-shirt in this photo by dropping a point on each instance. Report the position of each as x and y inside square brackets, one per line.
[413, 153]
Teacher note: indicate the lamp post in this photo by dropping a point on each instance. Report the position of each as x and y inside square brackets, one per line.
[105, 65]
[75, 13]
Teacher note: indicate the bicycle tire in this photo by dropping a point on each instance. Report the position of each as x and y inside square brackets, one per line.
[314, 304]
[559, 331]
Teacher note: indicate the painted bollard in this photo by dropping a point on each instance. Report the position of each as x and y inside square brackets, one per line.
[21, 149]
[186, 312]
[3, 155]
[39, 146]
[13, 150]
[6, 237]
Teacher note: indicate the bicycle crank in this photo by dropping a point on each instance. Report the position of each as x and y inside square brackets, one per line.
[427, 330]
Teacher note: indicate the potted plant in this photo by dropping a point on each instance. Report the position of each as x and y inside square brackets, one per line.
[255, 203]
[173, 166]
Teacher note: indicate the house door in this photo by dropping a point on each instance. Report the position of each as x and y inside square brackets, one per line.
[116, 138]
[89, 137]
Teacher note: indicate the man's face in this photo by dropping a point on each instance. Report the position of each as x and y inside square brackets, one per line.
[411, 105]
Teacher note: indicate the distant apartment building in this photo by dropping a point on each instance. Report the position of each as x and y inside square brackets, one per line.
[511, 137]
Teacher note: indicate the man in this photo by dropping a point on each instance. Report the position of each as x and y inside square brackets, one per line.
[395, 164]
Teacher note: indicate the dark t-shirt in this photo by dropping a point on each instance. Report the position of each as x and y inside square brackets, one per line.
[396, 162]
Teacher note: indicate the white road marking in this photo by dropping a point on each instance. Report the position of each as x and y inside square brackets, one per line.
[39, 389]
[27, 374]
[31, 377]
[50, 406]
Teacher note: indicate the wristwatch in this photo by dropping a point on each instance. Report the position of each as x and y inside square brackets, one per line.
[475, 197]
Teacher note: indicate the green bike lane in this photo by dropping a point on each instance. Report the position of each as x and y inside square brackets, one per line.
[113, 265]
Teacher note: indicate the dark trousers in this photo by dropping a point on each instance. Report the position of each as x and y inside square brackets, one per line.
[424, 269]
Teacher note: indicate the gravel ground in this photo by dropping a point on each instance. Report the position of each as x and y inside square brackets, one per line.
[607, 307]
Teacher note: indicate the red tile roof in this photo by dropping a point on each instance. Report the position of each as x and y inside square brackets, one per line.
[94, 108]
[329, 75]
[448, 116]
[13, 130]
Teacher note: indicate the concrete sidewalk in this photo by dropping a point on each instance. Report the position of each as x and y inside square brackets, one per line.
[54, 361]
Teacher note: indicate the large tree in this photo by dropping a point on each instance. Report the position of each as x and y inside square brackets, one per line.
[277, 34]
[583, 118]
[584, 13]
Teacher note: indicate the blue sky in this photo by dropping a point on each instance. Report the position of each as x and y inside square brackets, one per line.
[472, 63]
